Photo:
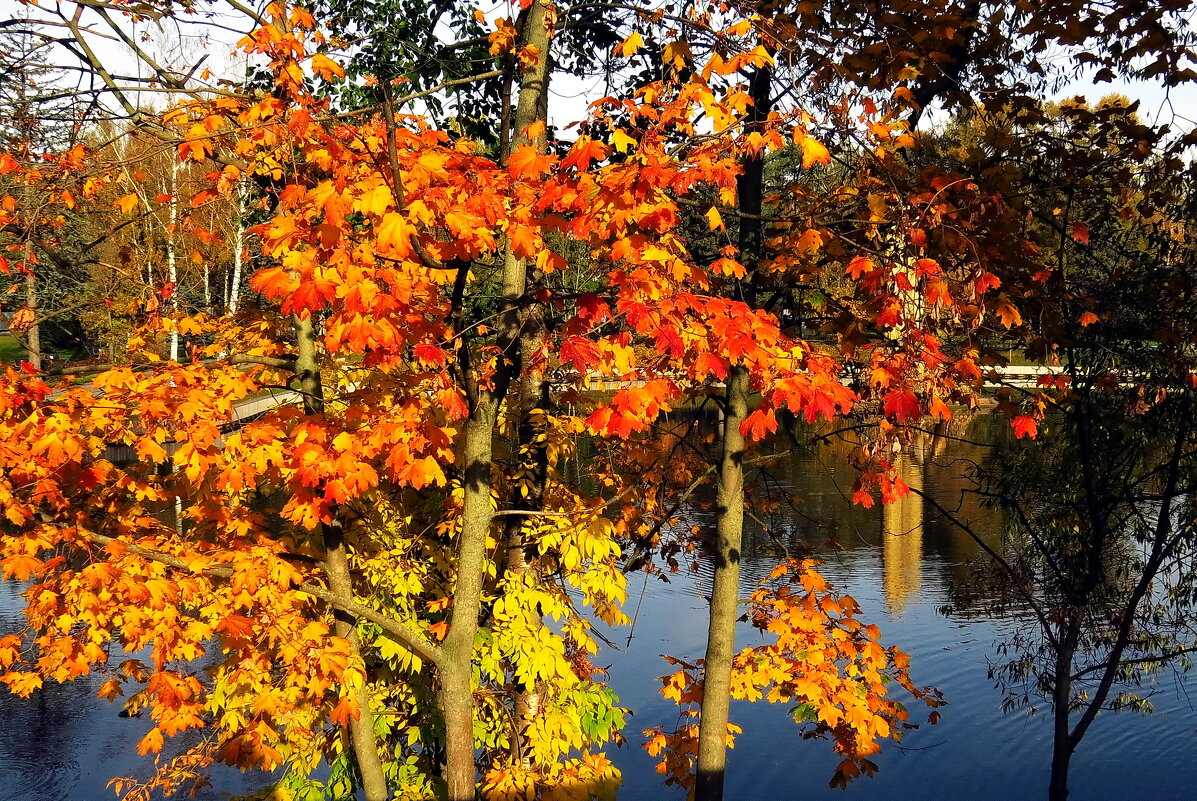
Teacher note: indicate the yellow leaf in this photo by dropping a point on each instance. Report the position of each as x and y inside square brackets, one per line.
[376, 201]
[761, 57]
[814, 152]
[394, 235]
[629, 46]
[326, 68]
[621, 141]
[714, 220]
[20, 683]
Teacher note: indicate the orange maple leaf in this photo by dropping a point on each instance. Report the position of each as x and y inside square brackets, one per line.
[814, 152]
[527, 163]
[128, 204]
[1025, 426]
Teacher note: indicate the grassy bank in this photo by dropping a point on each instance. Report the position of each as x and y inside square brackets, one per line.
[10, 349]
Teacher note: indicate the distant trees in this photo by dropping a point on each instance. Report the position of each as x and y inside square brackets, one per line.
[34, 118]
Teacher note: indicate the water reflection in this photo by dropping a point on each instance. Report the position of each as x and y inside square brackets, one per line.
[65, 744]
[43, 736]
[902, 537]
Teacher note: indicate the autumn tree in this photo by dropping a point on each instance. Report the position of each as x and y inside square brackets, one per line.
[924, 267]
[785, 239]
[456, 740]
[382, 237]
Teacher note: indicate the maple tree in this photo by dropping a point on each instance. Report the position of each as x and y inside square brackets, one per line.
[785, 243]
[283, 515]
[924, 269]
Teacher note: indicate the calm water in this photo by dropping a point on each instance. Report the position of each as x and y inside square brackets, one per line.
[916, 577]
[901, 564]
[65, 744]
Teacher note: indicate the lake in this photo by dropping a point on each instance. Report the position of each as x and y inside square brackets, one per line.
[913, 575]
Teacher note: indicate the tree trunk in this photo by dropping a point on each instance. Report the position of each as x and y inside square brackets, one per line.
[362, 739]
[1063, 743]
[361, 731]
[456, 693]
[532, 389]
[33, 336]
[172, 268]
[725, 594]
[533, 461]
[234, 292]
[729, 524]
[1057, 788]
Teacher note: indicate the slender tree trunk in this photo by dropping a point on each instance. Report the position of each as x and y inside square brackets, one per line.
[725, 594]
[533, 461]
[532, 390]
[456, 693]
[24, 111]
[234, 293]
[1063, 743]
[340, 582]
[33, 336]
[172, 268]
[724, 551]
[1062, 750]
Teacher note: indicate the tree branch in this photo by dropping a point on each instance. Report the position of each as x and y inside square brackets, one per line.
[286, 363]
